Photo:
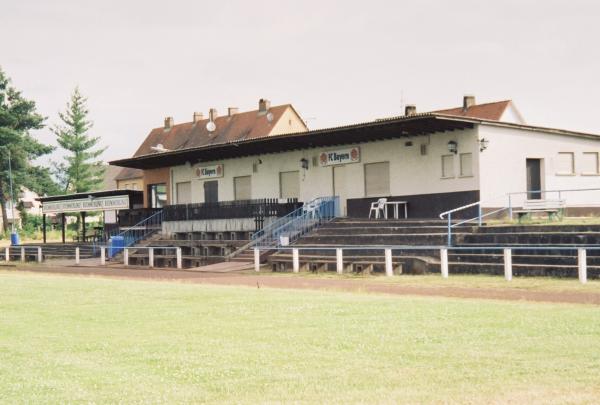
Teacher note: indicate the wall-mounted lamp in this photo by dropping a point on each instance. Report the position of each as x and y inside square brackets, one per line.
[453, 147]
[304, 163]
[483, 144]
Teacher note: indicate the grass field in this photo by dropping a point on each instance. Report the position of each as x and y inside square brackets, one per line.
[69, 339]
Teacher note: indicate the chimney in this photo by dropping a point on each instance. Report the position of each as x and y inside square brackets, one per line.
[410, 109]
[198, 116]
[169, 122]
[212, 114]
[468, 101]
[263, 106]
[232, 111]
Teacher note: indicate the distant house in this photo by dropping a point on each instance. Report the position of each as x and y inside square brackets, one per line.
[31, 205]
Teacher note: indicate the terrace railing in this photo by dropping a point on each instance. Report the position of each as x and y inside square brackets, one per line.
[297, 223]
[135, 233]
[258, 208]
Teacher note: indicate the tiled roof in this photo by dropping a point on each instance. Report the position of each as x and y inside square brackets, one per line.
[128, 173]
[487, 111]
[238, 127]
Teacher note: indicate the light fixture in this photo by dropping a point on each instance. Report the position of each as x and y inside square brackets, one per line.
[304, 163]
[483, 144]
[453, 147]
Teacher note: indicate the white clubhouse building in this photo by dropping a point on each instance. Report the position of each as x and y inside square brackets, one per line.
[435, 161]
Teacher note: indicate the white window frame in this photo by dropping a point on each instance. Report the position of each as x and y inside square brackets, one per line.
[460, 161]
[444, 176]
[572, 172]
[597, 172]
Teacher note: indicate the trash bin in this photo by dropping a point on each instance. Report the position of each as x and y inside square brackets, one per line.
[14, 238]
[115, 245]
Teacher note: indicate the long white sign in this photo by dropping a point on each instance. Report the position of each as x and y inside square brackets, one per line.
[339, 157]
[87, 204]
[208, 172]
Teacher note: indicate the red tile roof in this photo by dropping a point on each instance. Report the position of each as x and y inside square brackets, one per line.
[487, 111]
[240, 126]
[127, 173]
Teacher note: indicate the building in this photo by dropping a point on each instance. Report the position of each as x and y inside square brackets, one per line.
[434, 161]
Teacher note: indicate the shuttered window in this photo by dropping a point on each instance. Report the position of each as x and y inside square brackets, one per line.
[589, 163]
[466, 164]
[289, 184]
[565, 163]
[448, 166]
[377, 179]
[184, 192]
[242, 187]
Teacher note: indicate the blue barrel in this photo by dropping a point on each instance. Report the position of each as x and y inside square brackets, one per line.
[14, 238]
[115, 245]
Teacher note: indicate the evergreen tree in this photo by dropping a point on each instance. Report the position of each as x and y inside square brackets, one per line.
[82, 170]
[17, 117]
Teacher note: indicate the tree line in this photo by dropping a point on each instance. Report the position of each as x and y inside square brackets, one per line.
[81, 169]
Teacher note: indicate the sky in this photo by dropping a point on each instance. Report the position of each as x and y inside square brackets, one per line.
[337, 62]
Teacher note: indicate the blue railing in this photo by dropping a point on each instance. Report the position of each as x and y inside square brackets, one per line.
[135, 233]
[297, 223]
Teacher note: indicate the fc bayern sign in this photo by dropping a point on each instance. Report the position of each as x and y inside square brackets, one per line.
[208, 172]
[339, 157]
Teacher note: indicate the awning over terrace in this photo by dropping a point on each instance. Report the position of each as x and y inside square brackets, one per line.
[108, 200]
[356, 133]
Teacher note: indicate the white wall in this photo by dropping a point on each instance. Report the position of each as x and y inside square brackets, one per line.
[410, 173]
[503, 167]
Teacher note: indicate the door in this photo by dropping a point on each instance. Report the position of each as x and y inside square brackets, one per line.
[339, 186]
[534, 179]
[211, 191]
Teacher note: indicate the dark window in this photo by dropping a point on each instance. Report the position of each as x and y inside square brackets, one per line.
[211, 191]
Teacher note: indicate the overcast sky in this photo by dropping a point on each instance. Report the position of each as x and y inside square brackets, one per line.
[337, 62]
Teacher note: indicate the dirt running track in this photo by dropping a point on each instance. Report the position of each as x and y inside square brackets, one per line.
[252, 280]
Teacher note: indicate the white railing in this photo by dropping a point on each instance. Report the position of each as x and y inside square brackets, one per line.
[443, 251]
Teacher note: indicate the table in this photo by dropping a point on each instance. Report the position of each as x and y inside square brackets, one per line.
[396, 209]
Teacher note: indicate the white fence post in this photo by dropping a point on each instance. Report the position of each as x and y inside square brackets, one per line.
[125, 256]
[39, 255]
[256, 259]
[507, 264]
[389, 270]
[179, 261]
[102, 256]
[339, 260]
[22, 253]
[7, 254]
[150, 257]
[582, 265]
[295, 260]
[77, 255]
[444, 262]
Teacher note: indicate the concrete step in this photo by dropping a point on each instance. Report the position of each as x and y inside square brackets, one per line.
[521, 259]
[531, 270]
[589, 238]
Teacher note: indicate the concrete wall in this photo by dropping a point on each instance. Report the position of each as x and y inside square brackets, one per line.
[410, 172]
[503, 165]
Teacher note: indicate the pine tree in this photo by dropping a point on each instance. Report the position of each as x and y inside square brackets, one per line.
[82, 170]
[17, 117]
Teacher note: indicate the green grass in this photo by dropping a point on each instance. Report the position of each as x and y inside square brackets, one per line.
[93, 340]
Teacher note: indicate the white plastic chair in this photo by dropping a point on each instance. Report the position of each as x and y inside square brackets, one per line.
[377, 206]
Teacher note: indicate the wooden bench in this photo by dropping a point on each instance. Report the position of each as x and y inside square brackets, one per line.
[554, 208]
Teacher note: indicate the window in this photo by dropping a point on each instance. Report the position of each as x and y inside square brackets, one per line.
[447, 166]
[589, 163]
[242, 188]
[184, 192]
[466, 164]
[565, 163]
[289, 184]
[157, 194]
[377, 179]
